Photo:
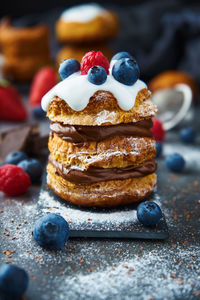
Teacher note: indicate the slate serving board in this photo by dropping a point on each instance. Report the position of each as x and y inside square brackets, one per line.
[118, 222]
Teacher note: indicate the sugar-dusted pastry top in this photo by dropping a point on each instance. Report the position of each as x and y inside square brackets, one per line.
[101, 110]
[76, 91]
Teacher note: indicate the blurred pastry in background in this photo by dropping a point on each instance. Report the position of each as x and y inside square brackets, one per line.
[78, 52]
[169, 79]
[24, 49]
[86, 23]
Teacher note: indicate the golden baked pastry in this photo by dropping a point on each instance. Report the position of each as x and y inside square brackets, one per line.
[86, 24]
[102, 109]
[24, 50]
[103, 194]
[78, 51]
[102, 152]
[169, 79]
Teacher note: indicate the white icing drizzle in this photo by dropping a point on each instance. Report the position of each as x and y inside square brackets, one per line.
[76, 91]
[82, 13]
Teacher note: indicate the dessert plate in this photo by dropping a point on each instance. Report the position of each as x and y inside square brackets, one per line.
[118, 222]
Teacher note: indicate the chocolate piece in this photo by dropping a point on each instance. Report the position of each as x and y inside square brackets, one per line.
[96, 174]
[81, 134]
[24, 138]
[14, 140]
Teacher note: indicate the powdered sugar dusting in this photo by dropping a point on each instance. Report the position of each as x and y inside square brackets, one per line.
[117, 279]
[80, 216]
[89, 218]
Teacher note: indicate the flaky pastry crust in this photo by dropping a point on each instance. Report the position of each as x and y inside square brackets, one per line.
[118, 152]
[102, 109]
[103, 194]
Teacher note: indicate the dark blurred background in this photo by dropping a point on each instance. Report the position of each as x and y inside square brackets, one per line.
[20, 8]
[162, 35]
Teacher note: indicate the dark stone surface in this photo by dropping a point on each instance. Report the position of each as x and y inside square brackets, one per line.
[114, 269]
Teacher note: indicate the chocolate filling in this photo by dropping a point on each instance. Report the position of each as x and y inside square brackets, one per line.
[82, 134]
[96, 174]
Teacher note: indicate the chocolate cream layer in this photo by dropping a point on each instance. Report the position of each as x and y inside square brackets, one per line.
[96, 174]
[81, 134]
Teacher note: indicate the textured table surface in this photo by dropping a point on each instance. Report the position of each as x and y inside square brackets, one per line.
[115, 269]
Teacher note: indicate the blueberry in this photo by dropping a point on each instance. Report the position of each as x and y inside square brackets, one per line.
[149, 213]
[68, 67]
[158, 149]
[38, 113]
[126, 71]
[13, 281]
[15, 157]
[187, 135]
[97, 75]
[32, 167]
[175, 162]
[122, 54]
[51, 231]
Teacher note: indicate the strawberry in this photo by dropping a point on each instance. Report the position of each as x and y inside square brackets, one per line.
[42, 82]
[11, 105]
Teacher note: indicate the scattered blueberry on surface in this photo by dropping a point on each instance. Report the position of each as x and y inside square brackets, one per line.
[126, 71]
[68, 67]
[149, 213]
[33, 168]
[122, 54]
[188, 135]
[158, 149]
[15, 157]
[175, 162]
[13, 281]
[51, 231]
[38, 113]
[97, 75]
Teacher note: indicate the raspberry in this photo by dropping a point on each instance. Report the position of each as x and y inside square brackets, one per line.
[94, 58]
[158, 130]
[13, 180]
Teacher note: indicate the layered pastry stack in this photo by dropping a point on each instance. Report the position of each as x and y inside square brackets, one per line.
[85, 27]
[101, 147]
[24, 50]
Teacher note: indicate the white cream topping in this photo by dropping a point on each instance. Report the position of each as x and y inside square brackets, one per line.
[76, 91]
[82, 13]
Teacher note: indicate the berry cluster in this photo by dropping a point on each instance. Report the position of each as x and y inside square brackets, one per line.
[174, 161]
[96, 66]
[18, 173]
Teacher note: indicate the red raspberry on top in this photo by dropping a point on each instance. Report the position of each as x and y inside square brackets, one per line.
[94, 58]
[13, 180]
[158, 130]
